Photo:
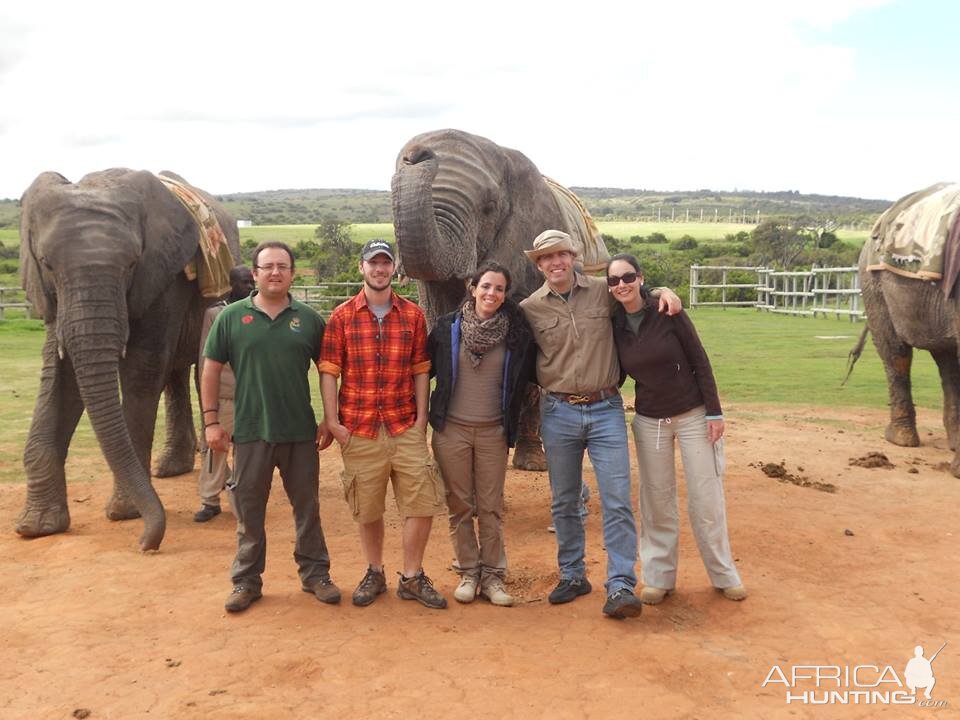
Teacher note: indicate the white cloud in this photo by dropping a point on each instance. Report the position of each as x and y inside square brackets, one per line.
[255, 96]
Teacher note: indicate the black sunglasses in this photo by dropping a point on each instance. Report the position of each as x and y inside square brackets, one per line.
[613, 280]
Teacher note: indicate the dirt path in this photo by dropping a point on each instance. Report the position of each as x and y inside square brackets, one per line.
[855, 577]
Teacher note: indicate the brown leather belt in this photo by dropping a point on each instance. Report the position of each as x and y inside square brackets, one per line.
[585, 398]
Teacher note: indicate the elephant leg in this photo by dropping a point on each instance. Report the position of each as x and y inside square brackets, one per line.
[55, 417]
[528, 454]
[950, 382]
[180, 446]
[897, 358]
[141, 386]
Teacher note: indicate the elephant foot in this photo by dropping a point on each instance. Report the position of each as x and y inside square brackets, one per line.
[174, 464]
[121, 508]
[902, 436]
[529, 456]
[37, 521]
[955, 467]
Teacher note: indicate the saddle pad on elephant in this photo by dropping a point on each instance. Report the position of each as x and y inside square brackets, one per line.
[910, 238]
[212, 264]
[593, 251]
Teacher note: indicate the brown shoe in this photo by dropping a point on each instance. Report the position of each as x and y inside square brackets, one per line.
[420, 588]
[325, 590]
[373, 583]
[241, 598]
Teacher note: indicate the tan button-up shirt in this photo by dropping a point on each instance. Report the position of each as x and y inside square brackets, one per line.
[574, 337]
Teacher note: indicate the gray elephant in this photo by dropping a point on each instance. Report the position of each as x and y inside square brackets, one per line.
[103, 261]
[906, 312]
[459, 200]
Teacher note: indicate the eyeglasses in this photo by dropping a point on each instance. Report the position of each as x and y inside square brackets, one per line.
[271, 268]
[613, 280]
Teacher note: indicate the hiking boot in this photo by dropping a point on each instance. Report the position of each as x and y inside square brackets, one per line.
[567, 590]
[467, 589]
[492, 589]
[325, 590]
[653, 595]
[206, 512]
[241, 598]
[420, 588]
[736, 593]
[622, 604]
[373, 583]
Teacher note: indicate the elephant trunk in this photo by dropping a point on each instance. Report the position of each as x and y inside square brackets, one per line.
[92, 328]
[434, 217]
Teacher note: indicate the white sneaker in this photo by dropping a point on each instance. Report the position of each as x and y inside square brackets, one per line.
[467, 589]
[494, 591]
[653, 595]
[736, 593]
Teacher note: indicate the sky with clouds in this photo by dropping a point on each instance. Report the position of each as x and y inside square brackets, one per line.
[849, 97]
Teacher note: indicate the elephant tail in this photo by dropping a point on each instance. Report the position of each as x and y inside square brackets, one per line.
[855, 354]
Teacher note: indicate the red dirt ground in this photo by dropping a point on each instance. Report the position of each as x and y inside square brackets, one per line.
[88, 622]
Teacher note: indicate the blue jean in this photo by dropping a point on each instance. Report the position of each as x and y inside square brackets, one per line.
[600, 429]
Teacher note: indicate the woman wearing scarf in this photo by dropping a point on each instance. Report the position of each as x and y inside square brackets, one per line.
[482, 356]
[676, 398]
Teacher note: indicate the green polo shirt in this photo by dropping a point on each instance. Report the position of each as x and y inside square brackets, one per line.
[271, 362]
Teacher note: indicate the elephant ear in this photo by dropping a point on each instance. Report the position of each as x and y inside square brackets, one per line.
[170, 239]
[40, 293]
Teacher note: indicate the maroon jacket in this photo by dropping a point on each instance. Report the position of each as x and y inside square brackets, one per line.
[668, 363]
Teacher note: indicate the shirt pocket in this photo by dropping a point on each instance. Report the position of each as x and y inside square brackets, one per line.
[548, 335]
[597, 326]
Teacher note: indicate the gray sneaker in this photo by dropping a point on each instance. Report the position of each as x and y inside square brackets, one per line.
[622, 604]
[421, 589]
[374, 583]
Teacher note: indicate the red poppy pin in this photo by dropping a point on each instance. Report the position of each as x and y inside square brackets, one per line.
[246, 319]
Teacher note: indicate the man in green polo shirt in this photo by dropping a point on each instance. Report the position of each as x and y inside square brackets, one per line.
[270, 341]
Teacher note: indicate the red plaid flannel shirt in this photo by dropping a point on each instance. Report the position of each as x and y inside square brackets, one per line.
[376, 367]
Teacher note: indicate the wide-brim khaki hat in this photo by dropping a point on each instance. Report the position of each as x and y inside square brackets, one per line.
[551, 241]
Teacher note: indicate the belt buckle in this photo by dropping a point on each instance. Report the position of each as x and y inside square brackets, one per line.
[578, 399]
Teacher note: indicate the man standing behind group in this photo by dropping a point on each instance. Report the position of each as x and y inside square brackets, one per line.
[376, 344]
[581, 410]
[270, 341]
[213, 465]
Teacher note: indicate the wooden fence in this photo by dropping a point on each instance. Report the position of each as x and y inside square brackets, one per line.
[818, 291]
[323, 297]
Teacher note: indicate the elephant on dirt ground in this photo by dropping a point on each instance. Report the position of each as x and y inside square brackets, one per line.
[460, 200]
[103, 260]
[904, 313]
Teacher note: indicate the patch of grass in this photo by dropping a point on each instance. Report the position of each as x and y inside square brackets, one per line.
[10, 236]
[293, 234]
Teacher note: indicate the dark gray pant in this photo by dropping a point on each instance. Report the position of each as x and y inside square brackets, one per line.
[299, 467]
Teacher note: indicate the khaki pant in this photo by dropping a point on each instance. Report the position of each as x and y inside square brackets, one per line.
[368, 465]
[703, 466]
[214, 469]
[473, 463]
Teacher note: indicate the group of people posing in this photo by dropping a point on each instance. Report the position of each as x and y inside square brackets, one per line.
[577, 337]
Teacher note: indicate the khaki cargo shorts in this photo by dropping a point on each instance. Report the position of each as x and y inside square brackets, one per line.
[404, 459]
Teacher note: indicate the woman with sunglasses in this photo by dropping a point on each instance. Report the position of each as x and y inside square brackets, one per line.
[676, 397]
[482, 356]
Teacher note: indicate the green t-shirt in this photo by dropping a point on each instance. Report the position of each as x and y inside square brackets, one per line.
[271, 362]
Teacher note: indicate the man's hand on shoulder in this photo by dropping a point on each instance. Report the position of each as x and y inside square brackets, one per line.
[669, 301]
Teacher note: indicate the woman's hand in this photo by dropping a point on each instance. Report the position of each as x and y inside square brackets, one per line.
[714, 430]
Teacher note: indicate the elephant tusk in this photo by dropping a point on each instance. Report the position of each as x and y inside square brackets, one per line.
[123, 352]
[60, 351]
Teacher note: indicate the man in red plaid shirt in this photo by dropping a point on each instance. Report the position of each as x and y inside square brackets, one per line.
[376, 343]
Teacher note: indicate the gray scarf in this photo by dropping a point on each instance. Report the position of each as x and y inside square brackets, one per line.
[480, 335]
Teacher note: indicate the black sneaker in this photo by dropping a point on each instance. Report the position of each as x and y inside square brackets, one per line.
[241, 598]
[325, 590]
[373, 583]
[622, 604]
[206, 512]
[567, 590]
[421, 589]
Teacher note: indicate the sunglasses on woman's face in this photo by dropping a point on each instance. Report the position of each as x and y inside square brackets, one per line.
[614, 280]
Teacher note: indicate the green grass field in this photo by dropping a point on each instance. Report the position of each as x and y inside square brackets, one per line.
[757, 358]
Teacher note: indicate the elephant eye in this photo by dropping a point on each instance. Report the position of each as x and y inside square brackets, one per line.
[489, 208]
[46, 265]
